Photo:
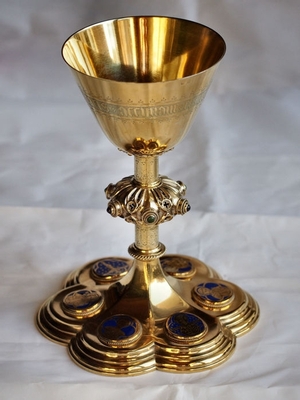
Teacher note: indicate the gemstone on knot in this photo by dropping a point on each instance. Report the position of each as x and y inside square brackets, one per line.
[109, 210]
[151, 219]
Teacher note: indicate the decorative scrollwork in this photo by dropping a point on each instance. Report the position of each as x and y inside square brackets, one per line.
[141, 146]
[146, 205]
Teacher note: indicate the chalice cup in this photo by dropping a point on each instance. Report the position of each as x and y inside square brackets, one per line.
[144, 78]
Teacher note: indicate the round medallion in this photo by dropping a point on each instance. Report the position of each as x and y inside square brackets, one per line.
[120, 331]
[178, 267]
[213, 294]
[82, 303]
[110, 269]
[185, 327]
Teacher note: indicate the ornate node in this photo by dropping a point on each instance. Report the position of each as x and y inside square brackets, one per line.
[182, 188]
[147, 205]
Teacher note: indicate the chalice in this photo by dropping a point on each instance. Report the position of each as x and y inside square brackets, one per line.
[144, 78]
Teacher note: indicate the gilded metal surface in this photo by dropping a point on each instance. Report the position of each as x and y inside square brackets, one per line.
[141, 254]
[146, 198]
[233, 306]
[146, 205]
[209, 354]
[103, 271]
[59, 320]
[185, 267]
[143, 147]
[168, 333]
[185, 328]
[144, 78]
[120, 330]
[82, 303]
[204, 288]
[146, 172]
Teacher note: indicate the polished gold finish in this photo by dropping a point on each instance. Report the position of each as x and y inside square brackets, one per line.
[147, 205]
[144, 79]
[144, 147]
[151, 301]
[186, 268]
[104, 272]
[59, 319]
[234, 307]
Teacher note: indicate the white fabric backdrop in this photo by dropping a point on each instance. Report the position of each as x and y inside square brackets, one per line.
[240, 161]
[242, 153]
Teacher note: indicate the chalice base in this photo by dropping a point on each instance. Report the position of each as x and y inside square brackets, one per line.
[124, 317]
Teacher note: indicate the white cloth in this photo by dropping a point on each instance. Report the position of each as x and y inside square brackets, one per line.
[241, 154]
[240, 161]
[39, 247]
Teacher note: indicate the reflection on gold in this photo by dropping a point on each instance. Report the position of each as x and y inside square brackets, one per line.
[160, 293]
[144, 76]
[144, 49]
[141, 146]
[144, 79]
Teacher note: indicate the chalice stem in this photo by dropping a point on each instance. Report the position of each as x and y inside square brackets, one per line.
[146, 170]
[146, 175]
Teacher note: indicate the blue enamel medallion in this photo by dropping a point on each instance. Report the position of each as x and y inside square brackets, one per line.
[213, 292]
[111, 268]
[177, 266]
[119, 329]
[81, 299]
[185, 325]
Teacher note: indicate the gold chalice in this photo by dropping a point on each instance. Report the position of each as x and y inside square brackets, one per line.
[144, 79]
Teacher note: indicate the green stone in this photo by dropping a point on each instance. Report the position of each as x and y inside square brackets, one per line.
[151, 219]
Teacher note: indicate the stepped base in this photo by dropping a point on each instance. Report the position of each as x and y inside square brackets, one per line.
[123, 317]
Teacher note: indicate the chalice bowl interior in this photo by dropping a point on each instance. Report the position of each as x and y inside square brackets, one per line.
[144, 79]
